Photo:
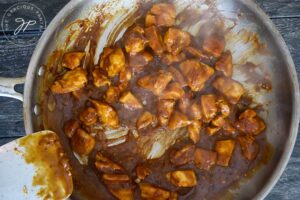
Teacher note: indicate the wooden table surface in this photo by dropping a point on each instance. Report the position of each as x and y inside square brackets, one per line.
[14, 61]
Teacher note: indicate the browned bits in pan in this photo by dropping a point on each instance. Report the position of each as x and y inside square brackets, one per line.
[82, 142]
[72, 60]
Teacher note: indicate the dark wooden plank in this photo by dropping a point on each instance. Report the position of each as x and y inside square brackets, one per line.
[280, 8]
[7, 140]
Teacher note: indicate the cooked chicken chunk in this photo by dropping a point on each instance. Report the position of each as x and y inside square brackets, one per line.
[183, 156]
[182, 178]
[249, 146]
[124, 78]
[218, 121]
[169, 58]
[208, 106]
[114, 62]
[115, 178]
[212, 130]
[205, 159]
[142, 172]
[161, 14]
[150, 192]
[122, 193]
[194, 131]
[130, 101]
[173, 91]
[112, 94]
[224, 64]
[250, 123]
[232, 89]
[135, 40]
[178, 120]
[174, 196]
[145, 120]
[156, 82]
[107, 114]
[89, 116]
[70, 81]
[177, 76]
[140, 60]
[176, 40]
[70, 127]
[99, 79]
[224, 148]
[197, 53]
[223, 107]
[164, 109]
[72, 60]
[195, 111]
[154, 39]
[185, 102]
[104, 56]
[82, 142]
[106, 165]
[196, 73]
[214, 44]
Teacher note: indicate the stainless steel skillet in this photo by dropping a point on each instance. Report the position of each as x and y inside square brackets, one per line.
[281, 104]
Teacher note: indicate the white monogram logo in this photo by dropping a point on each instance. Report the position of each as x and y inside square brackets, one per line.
[24, 25]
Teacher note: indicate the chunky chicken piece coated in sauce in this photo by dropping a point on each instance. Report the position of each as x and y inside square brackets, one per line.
[145, 120]
[205, 159]
[89, 116]
[70, 127]
[250, 148]
[82, 142]
[135, 40]
[138, 61]
[173, 91]
[122, 193]
[182, 178]
[177, 76]
[130, 101]
[115, 178]
[100, 79]
[71, 81]
[176, 40]
[231, 89]
[112, 94]
[178, 120]
[151, 192]
[224, 148]
[250, 123]
[169, 58]
[183, 156]
[196, 73]
[114, 62]
[194, 131]
[142, 172]
[224, 64]
[208, 106]
[72, 60]
[107, 114]
[105, 165]
[161, 14]
[155, 40]
[196, 53]
[165, 108]
[156, 82]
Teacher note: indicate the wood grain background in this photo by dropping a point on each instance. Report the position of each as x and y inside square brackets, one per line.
[14, 61]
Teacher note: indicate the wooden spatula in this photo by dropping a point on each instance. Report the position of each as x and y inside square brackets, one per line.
[35, 167]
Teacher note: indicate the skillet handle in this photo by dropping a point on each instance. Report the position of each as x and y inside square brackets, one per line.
[7, 87]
